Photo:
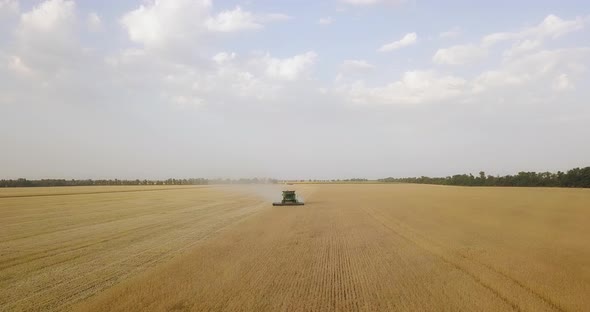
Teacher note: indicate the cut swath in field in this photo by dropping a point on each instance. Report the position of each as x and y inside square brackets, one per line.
[383, 247]
[58, 250]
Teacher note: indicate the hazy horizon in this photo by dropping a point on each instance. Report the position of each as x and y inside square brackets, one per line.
[340, 89]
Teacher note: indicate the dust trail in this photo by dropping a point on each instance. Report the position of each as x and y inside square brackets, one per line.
[267, 192]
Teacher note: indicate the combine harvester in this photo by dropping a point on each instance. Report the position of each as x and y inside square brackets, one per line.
[289, 199]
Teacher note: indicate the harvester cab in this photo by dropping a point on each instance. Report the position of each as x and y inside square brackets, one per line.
[289, 199]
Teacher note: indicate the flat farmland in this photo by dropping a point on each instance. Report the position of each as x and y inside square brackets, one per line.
[61, 245]
[384, 248]
[365, 247]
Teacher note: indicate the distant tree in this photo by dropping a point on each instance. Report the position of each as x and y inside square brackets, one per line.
[576, 177]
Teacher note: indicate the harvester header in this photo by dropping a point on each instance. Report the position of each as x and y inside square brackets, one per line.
[289, 199]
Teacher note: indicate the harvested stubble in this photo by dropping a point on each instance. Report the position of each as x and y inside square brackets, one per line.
[59, 246]
[384, 248]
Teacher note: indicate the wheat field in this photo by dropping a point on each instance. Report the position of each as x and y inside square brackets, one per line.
[369, 247]
[59, 246]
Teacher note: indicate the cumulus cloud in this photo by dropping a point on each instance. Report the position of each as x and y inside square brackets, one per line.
[536, 73]
[240, 20]
[226, 78]
[522, 47]
[207, 80]
[537, 68]
[49, 17]
[224, 57]
[46, 38]
[551, 27]
[524, 41]
[408, 40]
[159, 22]
[356, 65]
[460, 54]
[415, 87]
[452, 33]
[49, 69]
[256, 77]
[290, 68]
[188, 81]
[233, 20]
[533, 73]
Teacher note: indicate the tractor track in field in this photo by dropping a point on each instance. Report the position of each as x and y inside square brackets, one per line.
[101, 192]
[50, 304]
[26, 234]
[349, 248]
[102, 222]
[430, 246]
[71, 248]
[157, 227]
[54, 281]
[336, 253]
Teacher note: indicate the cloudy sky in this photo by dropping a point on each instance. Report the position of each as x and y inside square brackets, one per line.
[292, 89]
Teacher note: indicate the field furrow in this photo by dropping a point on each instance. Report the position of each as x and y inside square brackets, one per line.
[349, 248]
[57, 266]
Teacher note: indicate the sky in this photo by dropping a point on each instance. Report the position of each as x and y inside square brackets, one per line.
[292, 89]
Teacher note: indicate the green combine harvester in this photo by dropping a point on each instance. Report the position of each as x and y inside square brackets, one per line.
[289, 199]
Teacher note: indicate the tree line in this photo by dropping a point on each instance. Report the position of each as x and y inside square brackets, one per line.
[577, 177]
[89, 182]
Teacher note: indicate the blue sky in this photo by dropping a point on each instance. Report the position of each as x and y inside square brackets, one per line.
[334, 89]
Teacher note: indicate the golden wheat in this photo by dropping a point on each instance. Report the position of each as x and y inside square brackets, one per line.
[59, 246]
[369, 247]
[384, 248]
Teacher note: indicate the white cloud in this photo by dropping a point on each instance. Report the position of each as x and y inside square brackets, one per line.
[240, 20]
[248, 85]
[46, 37]
[160, 22]
[356, 65]
[537, 73]
[199, 80]
[48, 75]
[290, 68]
[538, 68]
[50, 16]
[555, 27]
[408, 40]
[415, 87]
[551, 27]
[223, 57]
[522, 47]
[460, 54]
[233, 20]
[326, 20]
[453, 33]
[226, 79]
[562, 83]
[524, 41]
[94, 22]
